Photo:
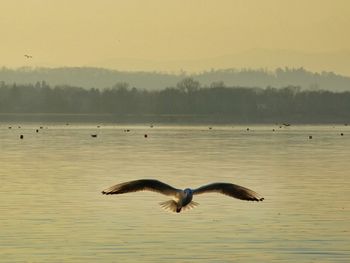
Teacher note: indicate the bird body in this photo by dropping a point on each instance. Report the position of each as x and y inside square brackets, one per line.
[182, 199]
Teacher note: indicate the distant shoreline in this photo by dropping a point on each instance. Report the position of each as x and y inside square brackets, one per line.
[166, 118]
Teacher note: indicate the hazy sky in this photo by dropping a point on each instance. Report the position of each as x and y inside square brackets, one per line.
[174, 35]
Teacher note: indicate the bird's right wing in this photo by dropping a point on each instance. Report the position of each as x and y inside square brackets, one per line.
[232, 190]
[141, 185]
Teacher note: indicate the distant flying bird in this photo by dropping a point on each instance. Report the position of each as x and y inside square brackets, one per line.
[28, 56]
[182, 199]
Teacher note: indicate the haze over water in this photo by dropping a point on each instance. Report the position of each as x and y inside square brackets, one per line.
[52, 209]
[184, 35]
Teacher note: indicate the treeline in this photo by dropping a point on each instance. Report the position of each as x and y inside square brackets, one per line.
[188, 97]
[101, 78]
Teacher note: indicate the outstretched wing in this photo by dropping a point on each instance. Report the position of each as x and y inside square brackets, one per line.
[232, 190]
[141, 185]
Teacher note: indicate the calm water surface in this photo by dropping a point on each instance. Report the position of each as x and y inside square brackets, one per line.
[52, 209]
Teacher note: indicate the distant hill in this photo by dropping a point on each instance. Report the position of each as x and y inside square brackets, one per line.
[102, 78]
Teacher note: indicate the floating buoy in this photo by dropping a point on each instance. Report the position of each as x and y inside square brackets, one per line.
[93, 135]
[21, 136]
[247, 129]
[310, 136]
[37, 130]
[273, 130]
[342, 134]
[210, 128]
[145, 135]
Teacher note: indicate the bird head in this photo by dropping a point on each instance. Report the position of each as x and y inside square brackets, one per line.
[188, 191]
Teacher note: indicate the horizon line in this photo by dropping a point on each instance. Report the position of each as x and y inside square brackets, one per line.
[174, 72]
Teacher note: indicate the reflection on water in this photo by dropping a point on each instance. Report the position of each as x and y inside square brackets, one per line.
[52, 210]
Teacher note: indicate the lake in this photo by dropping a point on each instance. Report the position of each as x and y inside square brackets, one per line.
[52, 209]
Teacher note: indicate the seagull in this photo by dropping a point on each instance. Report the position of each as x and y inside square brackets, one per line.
[182, 199]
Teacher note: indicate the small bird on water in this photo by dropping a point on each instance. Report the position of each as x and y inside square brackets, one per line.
[182, 199]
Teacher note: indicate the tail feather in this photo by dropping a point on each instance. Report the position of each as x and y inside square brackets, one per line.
[169, 205]
[190, 206]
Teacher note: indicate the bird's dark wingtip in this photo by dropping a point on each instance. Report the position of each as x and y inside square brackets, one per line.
[257, 199]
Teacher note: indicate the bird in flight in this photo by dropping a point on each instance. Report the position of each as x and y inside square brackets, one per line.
[182, 199]
[28, 56]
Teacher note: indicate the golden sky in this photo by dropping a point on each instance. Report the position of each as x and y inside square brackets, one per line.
[172, 35]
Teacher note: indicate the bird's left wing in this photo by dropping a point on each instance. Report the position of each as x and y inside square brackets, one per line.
[141, 185]
[232, 190]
